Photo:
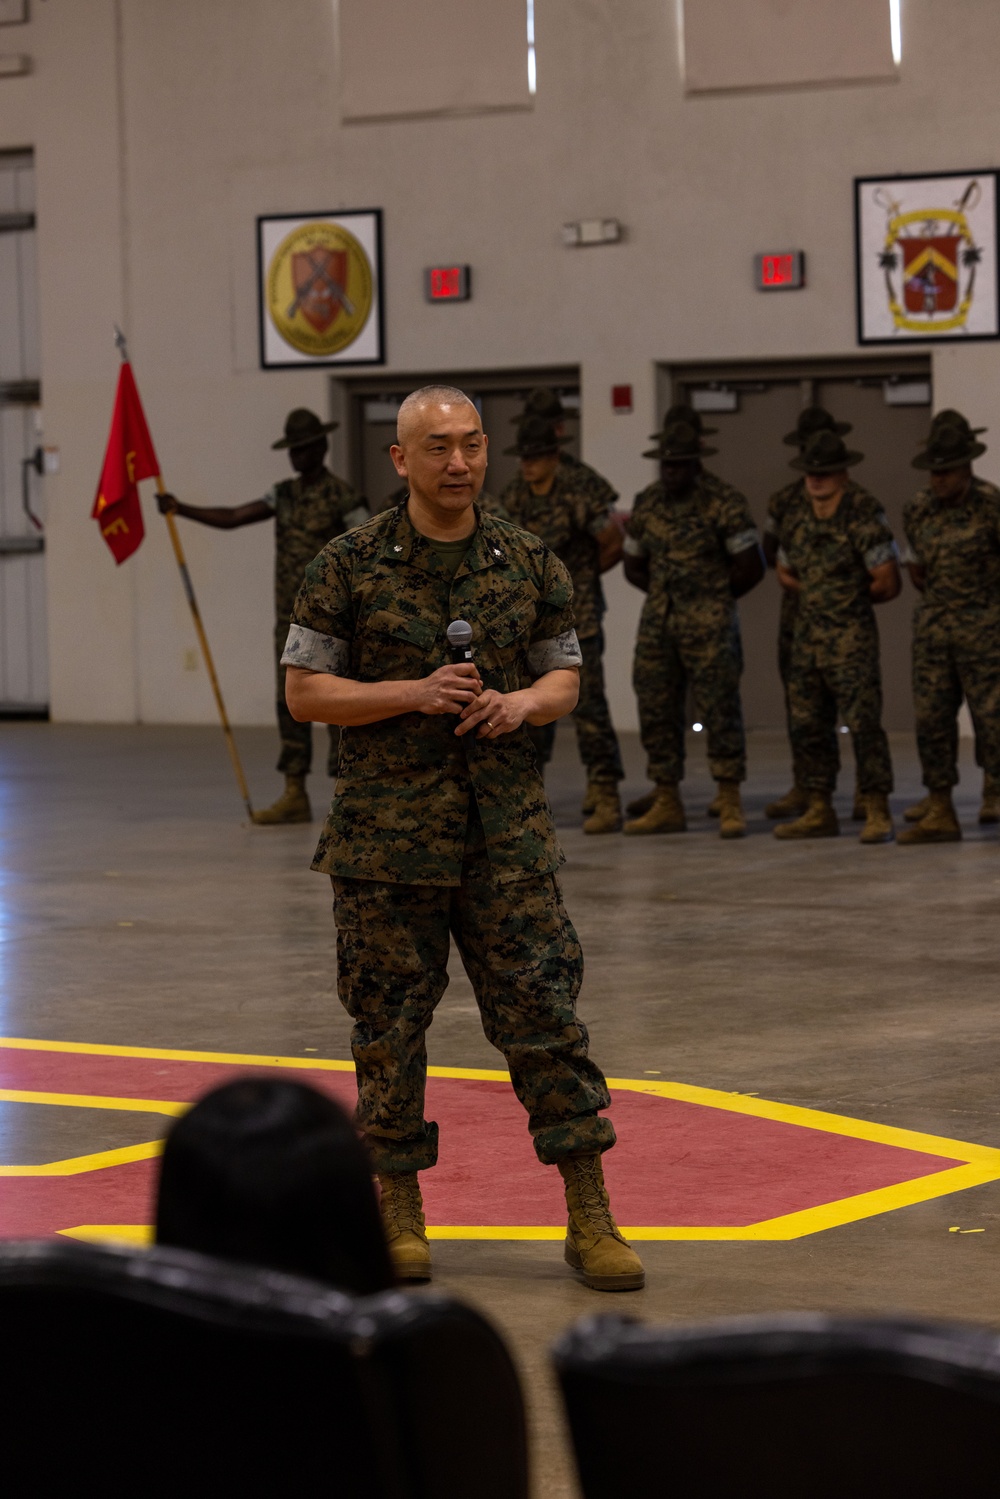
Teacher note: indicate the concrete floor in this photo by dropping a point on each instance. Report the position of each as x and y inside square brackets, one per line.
[137, 908]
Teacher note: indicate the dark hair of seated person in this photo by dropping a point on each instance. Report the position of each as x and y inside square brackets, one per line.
[272, 1172]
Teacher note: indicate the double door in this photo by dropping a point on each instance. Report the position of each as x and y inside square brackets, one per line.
[888, 405]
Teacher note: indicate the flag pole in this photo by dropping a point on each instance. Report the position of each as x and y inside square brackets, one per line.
[199, 627]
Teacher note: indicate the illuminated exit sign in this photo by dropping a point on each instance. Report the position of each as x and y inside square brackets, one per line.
[780, 270]
[446, 283]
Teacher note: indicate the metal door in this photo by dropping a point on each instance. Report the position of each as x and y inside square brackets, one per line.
[888, 403]
[500, 396]
[23, 649]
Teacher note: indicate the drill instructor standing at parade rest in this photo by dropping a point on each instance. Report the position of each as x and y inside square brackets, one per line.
[308, 511]
[440, 826]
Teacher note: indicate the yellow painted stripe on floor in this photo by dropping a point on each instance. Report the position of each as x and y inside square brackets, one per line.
[78, 1164]
[774, 1230]
[739, 1103]
[123, 1233]
[95, 1101]
[834, 1124]
[161, 1054]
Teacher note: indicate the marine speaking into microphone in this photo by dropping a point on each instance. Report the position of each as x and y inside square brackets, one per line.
[425, 840]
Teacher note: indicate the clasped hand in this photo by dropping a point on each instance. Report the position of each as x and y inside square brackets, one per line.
[459, 689]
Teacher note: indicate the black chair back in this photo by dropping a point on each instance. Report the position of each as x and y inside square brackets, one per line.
[796, 1405]
[166, 1372]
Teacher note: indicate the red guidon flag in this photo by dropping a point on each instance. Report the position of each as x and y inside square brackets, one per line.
[130, 457]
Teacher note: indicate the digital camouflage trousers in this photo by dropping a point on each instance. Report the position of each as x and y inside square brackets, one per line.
[295, 758]
[595, 735]
[523, 958]
[667, 662]
[786, 634]
[840, 677]
[947, 666]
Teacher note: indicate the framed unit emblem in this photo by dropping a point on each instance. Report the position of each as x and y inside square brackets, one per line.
[320, 288]
[927, 267]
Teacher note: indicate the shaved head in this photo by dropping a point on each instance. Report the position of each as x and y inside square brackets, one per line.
[441, 452]
[412, 410]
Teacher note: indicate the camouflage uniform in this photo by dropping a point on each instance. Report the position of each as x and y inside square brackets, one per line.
[956, 627]
[430, 834]
[306, 518]
[587, 478]
[569, 519]
[689, 629]
[834, 665]
[778, 507]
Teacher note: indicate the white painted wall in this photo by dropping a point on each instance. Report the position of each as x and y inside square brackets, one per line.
[150, 175]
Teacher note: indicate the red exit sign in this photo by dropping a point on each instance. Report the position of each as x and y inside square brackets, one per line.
[446, 283]
[780, 270]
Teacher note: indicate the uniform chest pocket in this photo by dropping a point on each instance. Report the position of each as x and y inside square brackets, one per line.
[389, 646]
[419, 632]
[513, 625]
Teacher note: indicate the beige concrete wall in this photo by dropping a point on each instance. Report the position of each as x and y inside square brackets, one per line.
[152, 167]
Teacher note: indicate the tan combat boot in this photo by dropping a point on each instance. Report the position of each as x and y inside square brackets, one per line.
[732, 822]
[938, 825]
[819, 820]
[292, 805]
[792, 804]
[878, 826]
[587, 805]
[714, 808]
[606, 810]
[641, 805]
[919, 810]
[990, 810]
[666, 815]
[859, 807]
[594, 1244]
[403, 1221]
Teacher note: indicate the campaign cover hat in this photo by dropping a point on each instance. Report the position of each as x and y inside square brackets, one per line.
[814, 419]
[949, 447]
[302, 426]
[678, 443]
[545, 403]
[825, 452]
[949, 417]
[535, 437]
[683, 413]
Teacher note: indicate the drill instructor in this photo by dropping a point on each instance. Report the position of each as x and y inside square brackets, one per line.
[308, 511]
[440, 824]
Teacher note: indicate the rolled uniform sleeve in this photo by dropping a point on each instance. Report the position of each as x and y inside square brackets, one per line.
[271, 498]
[872, 537]
[553, 645]
[636, 544]
[322, 628]
[736, 524]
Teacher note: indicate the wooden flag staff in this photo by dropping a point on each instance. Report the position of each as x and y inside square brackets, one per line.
[189, 594]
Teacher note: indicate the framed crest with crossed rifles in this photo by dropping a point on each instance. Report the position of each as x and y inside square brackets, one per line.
[927, 264]
[319, 288]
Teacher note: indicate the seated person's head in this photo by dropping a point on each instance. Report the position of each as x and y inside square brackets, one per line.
[272, 1172]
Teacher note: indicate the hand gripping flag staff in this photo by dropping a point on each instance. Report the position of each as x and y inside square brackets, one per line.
[130, 456]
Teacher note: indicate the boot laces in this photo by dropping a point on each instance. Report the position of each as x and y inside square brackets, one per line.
[402, 1207]
[594, 1204]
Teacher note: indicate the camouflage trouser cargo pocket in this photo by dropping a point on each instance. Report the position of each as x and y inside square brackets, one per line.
[524, 962]
[946, 669]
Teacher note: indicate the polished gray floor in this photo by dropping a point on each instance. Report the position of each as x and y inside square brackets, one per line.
[137, 908]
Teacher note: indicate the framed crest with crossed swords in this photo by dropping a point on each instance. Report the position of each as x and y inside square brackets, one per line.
[319, 289]
[927, 263]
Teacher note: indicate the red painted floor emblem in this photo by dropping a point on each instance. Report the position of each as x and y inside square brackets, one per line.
[691, 1163]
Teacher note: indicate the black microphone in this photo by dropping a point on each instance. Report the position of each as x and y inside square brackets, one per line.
[459, 634]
